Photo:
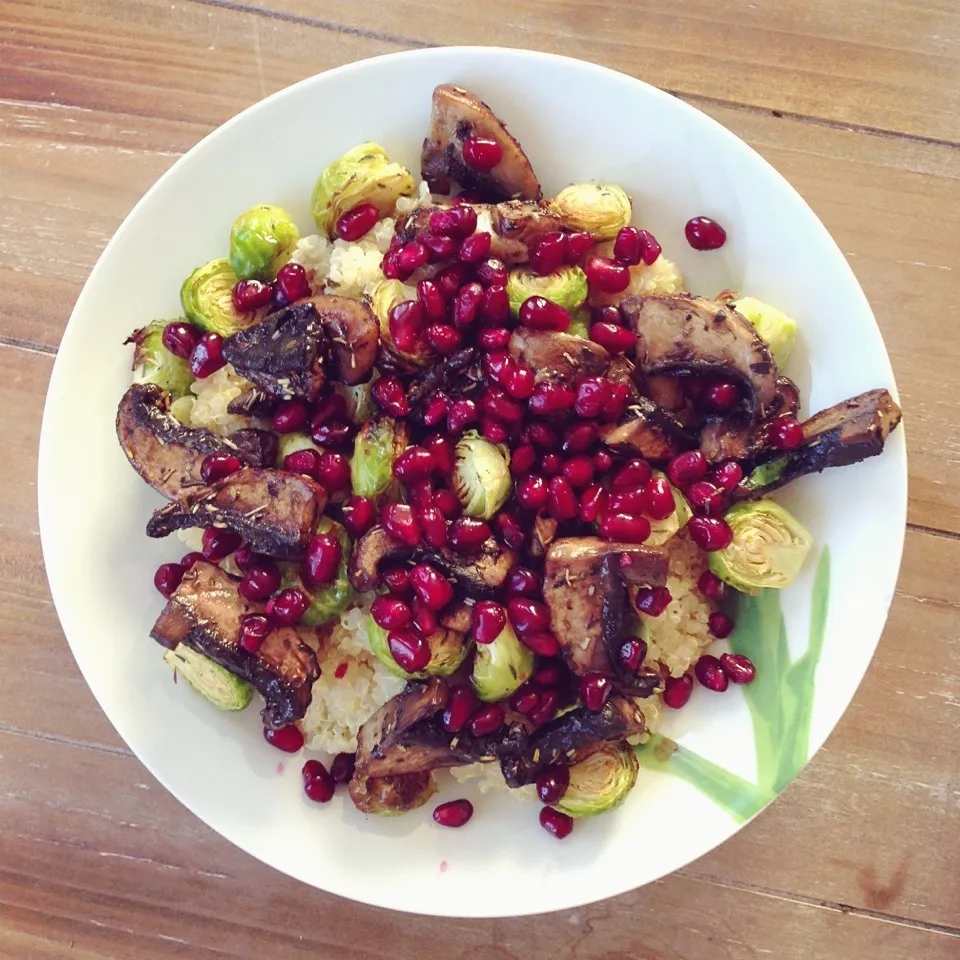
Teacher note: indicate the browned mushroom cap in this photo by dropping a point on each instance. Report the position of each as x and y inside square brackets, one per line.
[456, 116]
[354, 335]
[648, 431]
[558, 356]
[689, 335]
[390, 795]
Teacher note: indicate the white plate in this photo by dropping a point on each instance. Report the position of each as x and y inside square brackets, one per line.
[576, 121]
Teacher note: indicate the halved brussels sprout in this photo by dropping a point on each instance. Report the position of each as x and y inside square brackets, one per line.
[502, 667]
[288, 443]
[448, 648]
[566, 286]
[662, 530]
[768, 549]
[209, 679]
[602, 210]
[359, 401]
[329, 601]
[207, 299]
[362, 175]
[481, 475]
[154, 363]
[261, 241]
[383, 298]
[773, 325]
[392, 796]
[765, 474]
[380, 441]
[601, 782]
[580, 324]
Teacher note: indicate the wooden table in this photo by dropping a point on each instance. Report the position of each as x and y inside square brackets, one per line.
[858, 104]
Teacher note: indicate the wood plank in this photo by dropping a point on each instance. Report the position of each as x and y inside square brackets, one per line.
[895, 66]
[895, 748]
[115, 868]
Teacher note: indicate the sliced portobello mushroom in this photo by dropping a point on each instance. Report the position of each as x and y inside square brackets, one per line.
[690, 335]
[204, 614]
[560, 357]
[647, 430]
[456, 376]
[274, 511]
[458, 617]
[456, 116]
[845, 433]
[392, 795]
[168, 455]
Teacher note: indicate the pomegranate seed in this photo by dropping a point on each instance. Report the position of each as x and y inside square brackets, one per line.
[626, 500]
[390, 396]
[390, 264]
[541, 642]
[710, 533]
[493, 338]
[523, 582]
[532, 492]
[705, 234]
[181, 338]
[562, 501]
[613, 338]
[547, 675]
[303, 461]
[658, 498]
[488, 719]
[543, 435]
[359, 515]
[712, 587]
[720, 396]
[168, 577]
[461, 413]
[483, 154]
[425, 621]
[466, 305]
[318, 785]
[219, 543]
[438, 248]
[434, 526]
[342, 767]
[333, 471]
[474, 248]
[607, 314]
[497, 365]
[720, 625]
[687, 467]
[189, 560]
[217, 466]
[409, 649]
[628, 247]
[528, 616]
[577, 245]
[727, 475]
[412, 257]
[331, 407]
[496, 431]
[623, 526]
[455, 222]
[653, 600]
[489, 619]
[738, 667]
[539, 313]
[454, 813]
[579, 471]
[785, 433]
[249, 295]
[491, 272]
[292, 283]
[651, 248]
[557, 824]
[551, 464]
[207, 357]
[509, 530]
[452, 278]
[436, 409]
[406, 321]
[390, 613]
[431, 300]
[415, 463]
[431, 586]
[523, 459]
[552, 783]
[288, 606]
[677, 690]
[254, 628]
[603, 460]
[322, 559]
[592, 394]
[632, 654]
[616, 403]
[593, 501]
[397, 580]
[494, 306]
[595, 690]
[705, 498]
[468, 534]
[420, 494]
[580, 437]
[606, 274]
[401, 523]
[335, 433]
[447, 503]
[357, 222]
[551, 398]
[525, 700]
[289, 739]
[710, 673]
[546, 709]
[460, 707]
[498, 404]
[548, 253]
[633, 473]
[442, 449]
[260, 581]
[520, 382]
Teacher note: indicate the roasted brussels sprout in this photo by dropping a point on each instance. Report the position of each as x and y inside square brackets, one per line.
[773, 325]
[362, 175]
[481, 475]
[383, 298]
[768, 549]
[154, 363]
[359, 401]
[207, 299]
[601, 782]
[329, 601]
[566, 286]
[209, 679]
[288, 443]
[261, 241]
[662, 530]
[580, 324]
[501, 667]
[391, 796]
[380, 440]
[448, 648]
[602, 210]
